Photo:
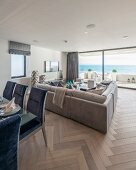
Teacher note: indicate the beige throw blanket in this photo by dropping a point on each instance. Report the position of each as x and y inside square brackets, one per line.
[59, 96]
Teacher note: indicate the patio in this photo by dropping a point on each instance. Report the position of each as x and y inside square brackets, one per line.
[123, 80]
[126, 85]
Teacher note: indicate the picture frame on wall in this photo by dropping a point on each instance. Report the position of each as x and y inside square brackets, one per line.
[51, 66]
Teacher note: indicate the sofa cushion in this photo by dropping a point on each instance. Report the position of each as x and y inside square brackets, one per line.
[52, 83]
[99, 89]
[60, 84]
[88, 96]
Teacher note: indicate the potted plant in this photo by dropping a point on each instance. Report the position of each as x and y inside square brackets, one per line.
[114, 71]
[133, 80]
[60, 74]
[114, 74]
[89, 69]
[128, 80]
[89, 73]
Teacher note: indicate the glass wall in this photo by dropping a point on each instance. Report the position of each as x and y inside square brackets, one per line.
[124, 61]
[90, 65]
[118, 65]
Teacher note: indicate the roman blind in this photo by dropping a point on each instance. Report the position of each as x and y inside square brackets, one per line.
[19, 48]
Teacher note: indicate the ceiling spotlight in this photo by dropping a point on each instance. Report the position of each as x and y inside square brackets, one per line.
[65, 41]
[86, 32]
[125, 36]
[35, 41]
[90, 26]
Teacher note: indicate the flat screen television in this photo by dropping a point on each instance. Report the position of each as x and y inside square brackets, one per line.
[51, 66]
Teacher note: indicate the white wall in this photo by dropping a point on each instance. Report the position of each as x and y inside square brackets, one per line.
[37, 58]
[5, 64]
[34, 62]
[63, 63]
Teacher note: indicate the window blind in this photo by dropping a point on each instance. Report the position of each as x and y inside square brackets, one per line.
[19, 48]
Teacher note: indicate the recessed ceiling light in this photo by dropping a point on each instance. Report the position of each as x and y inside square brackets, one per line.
[35, 41]
[90, 26]
[125, 36]
[65, 41]
[86, 32]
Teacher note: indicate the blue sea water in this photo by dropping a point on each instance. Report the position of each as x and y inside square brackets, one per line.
[125, 69]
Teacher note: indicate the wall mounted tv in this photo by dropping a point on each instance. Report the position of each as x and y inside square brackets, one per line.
[51, 66]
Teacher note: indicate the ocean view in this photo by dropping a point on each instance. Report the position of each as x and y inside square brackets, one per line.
[131, 69]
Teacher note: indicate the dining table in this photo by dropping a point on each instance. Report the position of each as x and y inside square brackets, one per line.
[26, 116]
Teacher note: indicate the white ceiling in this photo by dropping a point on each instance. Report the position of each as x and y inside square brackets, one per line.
[50, 22]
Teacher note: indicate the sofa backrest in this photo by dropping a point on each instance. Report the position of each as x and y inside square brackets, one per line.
[88, 96]
[77, 93]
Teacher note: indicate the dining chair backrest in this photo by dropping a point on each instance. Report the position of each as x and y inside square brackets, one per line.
[36, 103]
[8, 91]
[19, 94]
[9, 138]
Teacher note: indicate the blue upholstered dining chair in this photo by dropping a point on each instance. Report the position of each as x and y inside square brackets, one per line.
[8, 91]
[35, 105]
[9, 138]
[19, 94]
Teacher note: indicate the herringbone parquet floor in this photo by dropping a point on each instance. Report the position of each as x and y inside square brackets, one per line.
[76, 147]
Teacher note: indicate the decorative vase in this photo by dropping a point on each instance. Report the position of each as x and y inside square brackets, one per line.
[89, 74]
[34, 78]
[133, 80]
[114, 76]
[42, 78]
[128, 80]
[94, 75]
[91, 84]
[60, 74]
[85, 75]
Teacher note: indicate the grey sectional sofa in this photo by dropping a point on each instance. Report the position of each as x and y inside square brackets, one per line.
[93, 110]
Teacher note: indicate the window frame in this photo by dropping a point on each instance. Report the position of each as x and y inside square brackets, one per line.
[103, 55]
[24, 75]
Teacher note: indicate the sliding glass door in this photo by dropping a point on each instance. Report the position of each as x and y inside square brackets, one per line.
[90, 65]
[120, 65]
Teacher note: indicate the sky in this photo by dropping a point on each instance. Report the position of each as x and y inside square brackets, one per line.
[115, 59]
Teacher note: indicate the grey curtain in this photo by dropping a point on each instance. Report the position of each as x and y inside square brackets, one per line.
[72, 66]
[19, 48]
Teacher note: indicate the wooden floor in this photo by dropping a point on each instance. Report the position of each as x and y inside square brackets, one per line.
[73, 146]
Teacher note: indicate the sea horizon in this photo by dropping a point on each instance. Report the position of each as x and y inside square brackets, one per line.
[126, 69]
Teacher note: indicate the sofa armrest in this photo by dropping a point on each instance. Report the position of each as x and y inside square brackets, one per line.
[109, 104]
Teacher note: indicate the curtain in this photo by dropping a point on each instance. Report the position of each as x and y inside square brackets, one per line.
[72, 66]
[19, 48]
